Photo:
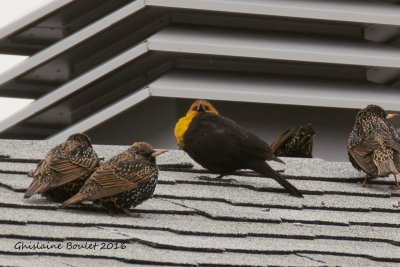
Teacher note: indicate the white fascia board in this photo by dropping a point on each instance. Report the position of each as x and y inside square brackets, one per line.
[71, 41]
[32, 17]
[371, 12]
[73, 86]
[102, 115]
[274, 46]
[285, 90]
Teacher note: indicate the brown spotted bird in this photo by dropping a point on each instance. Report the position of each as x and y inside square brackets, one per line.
[222, 146]
[124, 181]
[296, 142]
[374, 145]
[64, 169]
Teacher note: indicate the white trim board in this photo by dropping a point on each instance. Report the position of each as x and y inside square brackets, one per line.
[73, 86]
[268, 90]
[341, 10]
[366, 11]
[274, 90]
[278, 46]
[32, 17]
[71, 41]
[103, 115]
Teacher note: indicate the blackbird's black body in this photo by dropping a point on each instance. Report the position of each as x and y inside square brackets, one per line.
[232, 147]
[222, 146]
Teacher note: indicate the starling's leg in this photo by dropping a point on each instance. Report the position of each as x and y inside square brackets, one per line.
[130, 214]
[396, 185]
[365, 182]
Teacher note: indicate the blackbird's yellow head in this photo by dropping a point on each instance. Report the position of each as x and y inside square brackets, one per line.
[201, 106]
[198, 107]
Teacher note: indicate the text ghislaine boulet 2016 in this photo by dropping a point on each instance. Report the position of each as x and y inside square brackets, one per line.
[68, 245]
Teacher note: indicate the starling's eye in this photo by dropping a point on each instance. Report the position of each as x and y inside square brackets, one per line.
[145, 154]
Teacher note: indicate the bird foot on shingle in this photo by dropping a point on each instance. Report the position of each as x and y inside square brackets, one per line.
[216, 179]
[365, 183]
[127, 213]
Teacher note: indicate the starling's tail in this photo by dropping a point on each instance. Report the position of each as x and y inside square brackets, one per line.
[264, 169]
[36, 187]
[75, 199]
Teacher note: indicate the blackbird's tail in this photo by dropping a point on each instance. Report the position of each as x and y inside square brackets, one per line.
[264, 169]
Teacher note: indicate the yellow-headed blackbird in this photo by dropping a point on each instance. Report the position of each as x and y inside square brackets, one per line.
[124, 181]
[296, 142]
[64, 169]
[222, 146]
[374, 145]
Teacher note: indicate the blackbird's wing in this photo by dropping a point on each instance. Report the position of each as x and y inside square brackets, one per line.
[229, 138]
[73, 162]
[121, 176]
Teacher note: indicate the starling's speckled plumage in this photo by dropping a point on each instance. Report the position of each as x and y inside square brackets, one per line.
[374, 145]
[64, 169]
[124, 181]
[222, 146]
[296, 142]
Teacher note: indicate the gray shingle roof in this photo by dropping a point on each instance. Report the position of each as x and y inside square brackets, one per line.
[196, 222]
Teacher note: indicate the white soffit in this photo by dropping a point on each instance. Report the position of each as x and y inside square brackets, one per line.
[247, 88]
[32, 17]
[274, 90]
[103, 115]
[279, 46]
[73, 86]
[361, 11]
[71, 40]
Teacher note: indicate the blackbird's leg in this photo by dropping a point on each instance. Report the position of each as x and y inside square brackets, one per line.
[218, 178]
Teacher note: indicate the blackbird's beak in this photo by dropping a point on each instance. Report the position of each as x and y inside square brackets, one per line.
[158, 152]
[391, 116]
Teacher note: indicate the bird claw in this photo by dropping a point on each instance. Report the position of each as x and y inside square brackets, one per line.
[216, 179]
[127, 213]
[123, 213]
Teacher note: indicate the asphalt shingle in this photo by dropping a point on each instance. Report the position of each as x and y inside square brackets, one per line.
[250, 221]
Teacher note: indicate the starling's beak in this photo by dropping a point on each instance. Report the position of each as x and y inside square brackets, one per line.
[159, 152]
[201, 107]
[391, 116]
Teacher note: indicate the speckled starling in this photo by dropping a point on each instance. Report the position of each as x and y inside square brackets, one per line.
[374, 145]
[222, 146]
[64, 169]
[296, 142]
[124, 181]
